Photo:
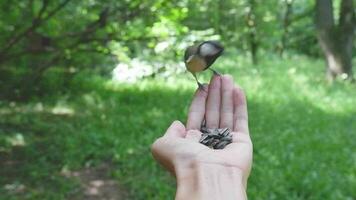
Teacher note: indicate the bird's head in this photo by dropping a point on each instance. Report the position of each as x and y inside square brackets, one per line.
[201, 56]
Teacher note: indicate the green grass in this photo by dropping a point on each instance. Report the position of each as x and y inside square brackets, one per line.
[303, 130]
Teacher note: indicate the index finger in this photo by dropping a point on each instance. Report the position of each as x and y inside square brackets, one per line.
[197, 109]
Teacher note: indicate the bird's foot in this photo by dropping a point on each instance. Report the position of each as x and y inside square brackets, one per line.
[201, 86]
[215, 72]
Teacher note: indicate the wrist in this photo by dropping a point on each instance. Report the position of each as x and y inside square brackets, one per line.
[210, 181]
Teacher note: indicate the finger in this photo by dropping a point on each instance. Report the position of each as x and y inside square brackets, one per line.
[197, 109]
[240, 111]
[193, 135]
[176, 129]
[227, 102]
[213, 103]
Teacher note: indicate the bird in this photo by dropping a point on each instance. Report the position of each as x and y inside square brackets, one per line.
[199, 57]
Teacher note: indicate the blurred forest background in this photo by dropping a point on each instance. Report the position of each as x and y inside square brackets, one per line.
[86, 86]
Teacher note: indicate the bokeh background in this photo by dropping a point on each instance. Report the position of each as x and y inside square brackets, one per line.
[86, 87]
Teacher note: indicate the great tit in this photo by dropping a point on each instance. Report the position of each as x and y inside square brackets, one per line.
[200, 57]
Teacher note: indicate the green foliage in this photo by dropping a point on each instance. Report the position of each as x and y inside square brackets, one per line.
[38, 35]
[303, 132]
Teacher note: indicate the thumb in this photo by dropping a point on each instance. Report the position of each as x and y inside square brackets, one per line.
[176, 129]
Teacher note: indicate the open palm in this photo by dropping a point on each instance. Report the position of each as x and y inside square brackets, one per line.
[222, 104]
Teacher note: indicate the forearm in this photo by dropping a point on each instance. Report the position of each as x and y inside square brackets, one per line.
[210, 181]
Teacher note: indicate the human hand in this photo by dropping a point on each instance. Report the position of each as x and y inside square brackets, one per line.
[223, 105]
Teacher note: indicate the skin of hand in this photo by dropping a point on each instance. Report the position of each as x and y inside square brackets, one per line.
[201, 172]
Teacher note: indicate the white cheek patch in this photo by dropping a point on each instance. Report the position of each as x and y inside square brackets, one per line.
[208, 49]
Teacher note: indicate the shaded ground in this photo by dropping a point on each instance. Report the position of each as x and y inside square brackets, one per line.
[96, 184]
[35, 168]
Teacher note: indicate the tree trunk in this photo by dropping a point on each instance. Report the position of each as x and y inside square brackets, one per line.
[336, 40]
[285, 25]
[252, 31]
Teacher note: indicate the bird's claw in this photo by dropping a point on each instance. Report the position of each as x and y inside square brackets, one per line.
[201, 86]
[215, 72]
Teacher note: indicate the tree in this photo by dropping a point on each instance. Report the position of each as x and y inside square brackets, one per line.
[41, 35]
[252, 30]
[336, 39]
[286, 22]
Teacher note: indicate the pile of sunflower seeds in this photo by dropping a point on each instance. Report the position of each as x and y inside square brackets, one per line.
[216, 138]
